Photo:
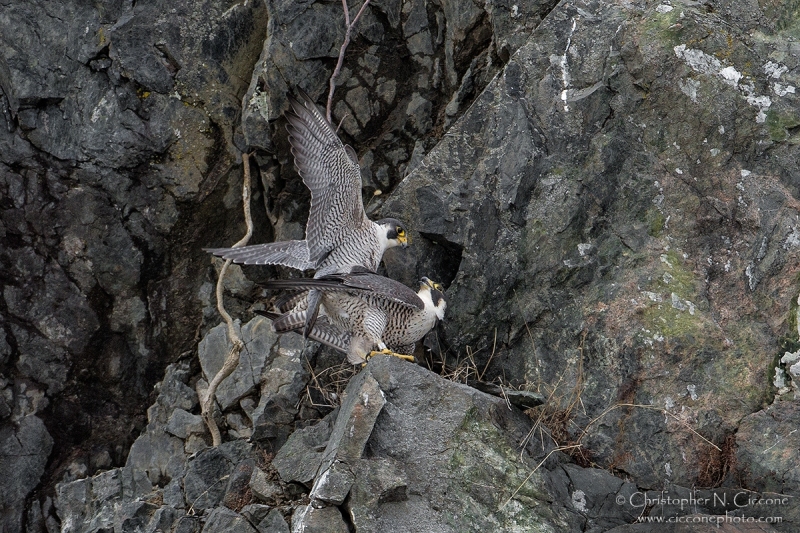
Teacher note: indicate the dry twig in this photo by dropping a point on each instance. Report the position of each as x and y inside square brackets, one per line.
[348, 29]
[651, 407]
[551, 452]
[232, 359]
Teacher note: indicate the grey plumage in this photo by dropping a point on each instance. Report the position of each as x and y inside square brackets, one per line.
[293, 254]
[339, 235]
[368, 311]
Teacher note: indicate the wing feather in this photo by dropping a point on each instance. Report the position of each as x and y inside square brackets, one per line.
[361, 283]
[328, 171]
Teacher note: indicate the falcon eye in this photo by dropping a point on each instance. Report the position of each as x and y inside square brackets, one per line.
[401, 232]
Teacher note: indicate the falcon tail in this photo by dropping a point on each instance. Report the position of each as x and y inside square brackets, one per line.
[293, 254]
[289, 301]
[322, 331]
[314, 299]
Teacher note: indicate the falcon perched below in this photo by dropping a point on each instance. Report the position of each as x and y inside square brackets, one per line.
[363, 311]
[339, 235]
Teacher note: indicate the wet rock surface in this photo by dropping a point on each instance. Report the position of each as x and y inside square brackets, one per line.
[608, 191]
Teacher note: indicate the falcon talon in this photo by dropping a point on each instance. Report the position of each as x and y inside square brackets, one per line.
[391, 353]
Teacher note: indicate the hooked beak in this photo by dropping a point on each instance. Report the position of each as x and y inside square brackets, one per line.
[404, 241]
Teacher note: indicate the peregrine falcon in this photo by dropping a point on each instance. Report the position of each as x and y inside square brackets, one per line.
[362, 311]
[339, 235]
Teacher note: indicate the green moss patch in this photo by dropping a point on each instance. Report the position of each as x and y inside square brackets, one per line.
[655, 222]
[664, 27]
[778, 125]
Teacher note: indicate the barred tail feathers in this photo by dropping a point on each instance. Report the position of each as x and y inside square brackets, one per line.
[293, 254]
[323, 331]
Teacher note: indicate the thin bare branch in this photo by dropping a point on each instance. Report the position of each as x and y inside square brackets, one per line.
[644, 406]
[551, 452]
[491, 356]
[232, 359]
[347, 31]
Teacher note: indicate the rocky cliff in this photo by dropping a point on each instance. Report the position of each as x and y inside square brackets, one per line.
[609, 191]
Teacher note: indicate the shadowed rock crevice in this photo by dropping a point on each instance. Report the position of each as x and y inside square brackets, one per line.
[446, 259]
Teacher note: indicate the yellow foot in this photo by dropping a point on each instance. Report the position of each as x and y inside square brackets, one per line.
[387, 351]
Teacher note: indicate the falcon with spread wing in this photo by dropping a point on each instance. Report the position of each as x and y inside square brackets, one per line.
[338, 233]
[339, 236]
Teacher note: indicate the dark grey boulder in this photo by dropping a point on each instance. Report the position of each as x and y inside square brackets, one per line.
[413, 452]
[144, 516]
[222, 519]
[300, 458]
[767, 459]
[768, 449]
[265, 519]
[159, 455]
[263, 488]
[310, 519]
[207, 474]
[258, 340]
[273, 523]
[183, 423]
[109, 498]
[24, 447]
[598, 497]
[282, 384]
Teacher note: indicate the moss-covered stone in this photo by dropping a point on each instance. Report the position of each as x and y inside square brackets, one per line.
[779, 123]
[664, 27]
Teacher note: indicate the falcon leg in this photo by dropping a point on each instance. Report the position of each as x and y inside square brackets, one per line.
[387, 351]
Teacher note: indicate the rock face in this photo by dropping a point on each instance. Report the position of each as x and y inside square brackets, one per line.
[626, 235]
[412, 452]
[120, 135]
[608, 191]
[116, 130]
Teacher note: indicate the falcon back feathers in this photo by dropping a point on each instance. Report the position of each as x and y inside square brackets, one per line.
[371, 310]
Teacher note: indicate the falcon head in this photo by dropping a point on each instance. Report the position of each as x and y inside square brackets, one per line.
[394, 232]
[435, 292]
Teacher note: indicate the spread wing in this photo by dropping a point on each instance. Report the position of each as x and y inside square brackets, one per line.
[330, 172]
[383, 287]
[360, 283]
[292, 254]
